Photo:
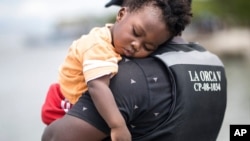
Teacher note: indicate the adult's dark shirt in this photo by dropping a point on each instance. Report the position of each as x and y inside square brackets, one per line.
[177, 94]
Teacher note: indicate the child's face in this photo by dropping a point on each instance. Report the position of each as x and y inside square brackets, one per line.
[138, 34]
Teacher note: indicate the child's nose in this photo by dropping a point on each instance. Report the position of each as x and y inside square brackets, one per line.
[136, 45]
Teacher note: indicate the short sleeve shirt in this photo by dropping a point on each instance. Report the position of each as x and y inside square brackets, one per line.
[88, 58]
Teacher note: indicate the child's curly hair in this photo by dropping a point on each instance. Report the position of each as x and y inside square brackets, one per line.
[176, 13]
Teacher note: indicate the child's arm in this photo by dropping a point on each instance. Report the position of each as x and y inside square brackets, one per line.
[105, 104]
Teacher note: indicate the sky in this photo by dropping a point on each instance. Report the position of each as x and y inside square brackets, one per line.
[38, 15]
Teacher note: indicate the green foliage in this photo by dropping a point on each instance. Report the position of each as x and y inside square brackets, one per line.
[230, 11]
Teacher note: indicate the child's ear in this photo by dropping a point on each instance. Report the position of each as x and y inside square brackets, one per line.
[121, 14]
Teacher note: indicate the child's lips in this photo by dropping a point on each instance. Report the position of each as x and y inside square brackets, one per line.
[127, 52]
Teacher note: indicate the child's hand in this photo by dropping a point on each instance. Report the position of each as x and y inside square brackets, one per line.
[120, 134]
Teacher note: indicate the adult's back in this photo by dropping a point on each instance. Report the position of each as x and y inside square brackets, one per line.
[179, 94]
[183, 101]
[199, 92]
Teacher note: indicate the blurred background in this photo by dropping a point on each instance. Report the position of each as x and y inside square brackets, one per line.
[35, 35]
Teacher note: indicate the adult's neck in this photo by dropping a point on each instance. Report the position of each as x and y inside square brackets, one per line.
[178, 40]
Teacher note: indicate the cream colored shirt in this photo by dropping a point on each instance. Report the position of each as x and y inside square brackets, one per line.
[88, 58]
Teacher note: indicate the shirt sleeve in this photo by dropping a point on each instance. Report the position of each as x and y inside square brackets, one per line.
[99, 61]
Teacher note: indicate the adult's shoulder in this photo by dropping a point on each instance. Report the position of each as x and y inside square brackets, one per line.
[140, 68]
